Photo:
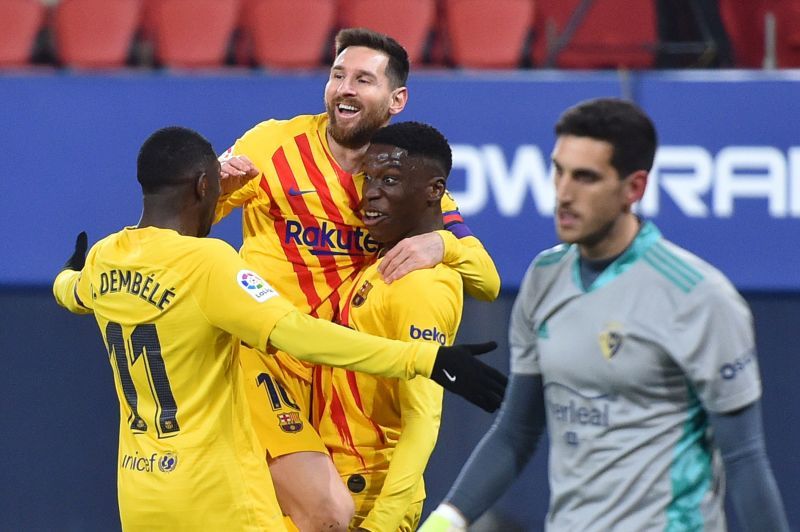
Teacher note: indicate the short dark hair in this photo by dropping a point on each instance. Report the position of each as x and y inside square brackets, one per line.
[621, 123]
[170, 156]
[396, 69]
[417, 139]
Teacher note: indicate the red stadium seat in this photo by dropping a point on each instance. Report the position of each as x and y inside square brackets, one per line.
[95, 33]
[611, 34]
[745, 23]
[191, 33]
[409, 22]
[17, 39]
[488, 33]
[288, 33]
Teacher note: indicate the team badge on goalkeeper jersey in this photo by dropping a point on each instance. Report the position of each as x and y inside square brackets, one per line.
[290, 422]
[611, 340]
[361, 295]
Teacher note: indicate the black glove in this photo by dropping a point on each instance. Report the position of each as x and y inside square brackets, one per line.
[78, 258]
[456, 369]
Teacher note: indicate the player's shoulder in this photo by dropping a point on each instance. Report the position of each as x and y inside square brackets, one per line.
[211, 248]
[281, 127]
[551, 257]
[440, 279]
[681, 269]
[691, 284]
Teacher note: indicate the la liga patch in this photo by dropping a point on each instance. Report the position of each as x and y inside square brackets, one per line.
[255, 286]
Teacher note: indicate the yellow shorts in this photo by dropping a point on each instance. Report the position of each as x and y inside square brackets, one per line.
[365, 489]
[280, 403]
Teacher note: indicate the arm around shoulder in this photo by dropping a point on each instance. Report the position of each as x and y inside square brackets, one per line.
[471, 260]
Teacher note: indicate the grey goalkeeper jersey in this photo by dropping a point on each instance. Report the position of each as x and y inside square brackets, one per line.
[630, 366]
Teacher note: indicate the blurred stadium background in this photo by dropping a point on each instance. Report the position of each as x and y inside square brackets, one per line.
[83, 82]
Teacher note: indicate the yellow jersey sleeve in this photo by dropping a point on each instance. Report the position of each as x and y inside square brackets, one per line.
[465, 254]
[73, 289]
[436, 317]
[236, 299]
[322, 342]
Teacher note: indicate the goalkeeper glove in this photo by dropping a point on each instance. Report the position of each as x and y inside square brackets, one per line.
[445, 518]
[456, 369]
[78, 258]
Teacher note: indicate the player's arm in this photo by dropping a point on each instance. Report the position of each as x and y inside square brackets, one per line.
[421, 412]
[255, 313]
[715, 347]
[425, 302]
[498, 459]
[323, 342]
[455, 246]
[503, 452]
[751, 484]
[238, 172]
[70, 288]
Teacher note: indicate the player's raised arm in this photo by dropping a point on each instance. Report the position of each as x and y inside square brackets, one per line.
[454, 246]
[67, 283]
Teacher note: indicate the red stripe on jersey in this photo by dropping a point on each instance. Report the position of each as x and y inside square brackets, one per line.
[317, 397]
[344, 317]
[331, 209]
[339, 419]
[348, 184]
[353, 383]
[304, 277]
[452, 217]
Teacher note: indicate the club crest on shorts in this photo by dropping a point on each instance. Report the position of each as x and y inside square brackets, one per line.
[290, 422]
[255, 286]
[611, 340]
[361, 295]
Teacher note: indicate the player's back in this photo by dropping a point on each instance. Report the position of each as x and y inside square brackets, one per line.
[187, 452]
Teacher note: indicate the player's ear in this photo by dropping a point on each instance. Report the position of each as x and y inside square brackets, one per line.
[201, 186]
[398, 100]
[435, 188]
[636, 184]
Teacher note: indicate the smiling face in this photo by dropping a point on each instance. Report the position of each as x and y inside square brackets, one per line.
[401, 194]
[593, 203]
[359, 97]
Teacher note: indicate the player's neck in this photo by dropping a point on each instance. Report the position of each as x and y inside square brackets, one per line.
[161, 213]
[349, 159]
[616, 240]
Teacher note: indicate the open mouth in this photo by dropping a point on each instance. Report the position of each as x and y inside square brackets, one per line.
[373, 217]
[347, 110]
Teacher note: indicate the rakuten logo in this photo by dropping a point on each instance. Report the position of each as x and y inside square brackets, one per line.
[328, 240]
[699, 183]
[428, 334]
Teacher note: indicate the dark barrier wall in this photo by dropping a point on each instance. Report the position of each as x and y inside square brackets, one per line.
[59, 415]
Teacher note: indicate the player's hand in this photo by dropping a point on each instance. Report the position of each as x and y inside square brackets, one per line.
[439, 522]
[412, 253]
[235, 172]
[78, 258]
[457, 370]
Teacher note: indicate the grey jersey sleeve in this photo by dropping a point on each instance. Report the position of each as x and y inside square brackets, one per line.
[502, 454]
[521, 330]
[713, 342]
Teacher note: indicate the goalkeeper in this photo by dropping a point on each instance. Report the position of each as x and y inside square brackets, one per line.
[641, 354]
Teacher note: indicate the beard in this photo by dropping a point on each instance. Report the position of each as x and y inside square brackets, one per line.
[360, 133]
